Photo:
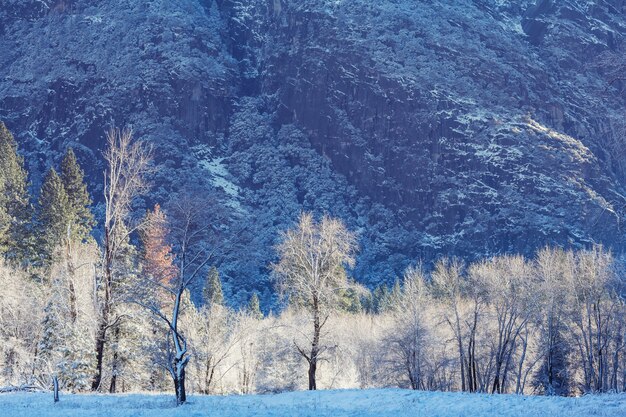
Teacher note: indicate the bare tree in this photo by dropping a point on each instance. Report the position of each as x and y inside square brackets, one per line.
[596, 314]
[408, 339]
[476, 298]
[21, 312]
[311, 273]
[508, 281]
[213, 338]
[449, 286]
[249, 353]
[552, 267]
[128, 163]
[190, 234]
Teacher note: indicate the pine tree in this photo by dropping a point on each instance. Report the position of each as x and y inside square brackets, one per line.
[381, 298]
[15, 208]
[51, 339]
[212, 293]
[54, 216]
[76, 365]
[73, 179]
[64, 348]
[254, 307]
[367, 303]
[396, 295]
[351, 301]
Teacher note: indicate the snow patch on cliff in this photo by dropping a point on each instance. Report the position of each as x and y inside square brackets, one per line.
[220, 177]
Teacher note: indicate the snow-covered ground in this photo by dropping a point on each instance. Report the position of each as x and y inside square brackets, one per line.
[355, 403]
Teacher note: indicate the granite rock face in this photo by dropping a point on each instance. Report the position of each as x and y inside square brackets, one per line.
[432, 128]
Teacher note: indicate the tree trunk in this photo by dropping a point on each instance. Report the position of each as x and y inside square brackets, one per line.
[518, 387]
[179, 383]
[73, 308]
[115, 362]
[97, 379]
[209, 372]
[71, 271]
[113, 386]
[550, 355]
[55, 386]
[472, 376]
[103, 323]
[459, 341]
[314, 346]
[312, 371]
[497, 385]
[472, 385]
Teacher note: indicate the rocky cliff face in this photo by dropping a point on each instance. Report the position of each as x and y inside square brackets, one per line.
[433, 128]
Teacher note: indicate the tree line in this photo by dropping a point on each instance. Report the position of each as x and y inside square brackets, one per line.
[144, 308]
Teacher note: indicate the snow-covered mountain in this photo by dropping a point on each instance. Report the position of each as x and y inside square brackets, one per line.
[466, 127]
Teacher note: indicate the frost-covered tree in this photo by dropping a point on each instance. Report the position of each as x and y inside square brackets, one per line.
[597, 315]
[128, 163]
[311, 273]
[21, 311]
[254, 307]
[65, 347]
[475, 305]
[448, 286]
[213, 337]
[552, 266]
[249, 325]
[408, 338]
[510, 284]
[189, 229]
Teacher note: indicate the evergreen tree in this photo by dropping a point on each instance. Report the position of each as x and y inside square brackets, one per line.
[73, 179]
[54, 216]
[77, 362]
[396, 295]
[50, 339]
[15, 209]
[212, 293]
[367, 303]
[381, 299]
[254, 307]
[351, 301]
[64, 347]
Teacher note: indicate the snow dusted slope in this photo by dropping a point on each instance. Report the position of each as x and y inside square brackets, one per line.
[361, 403]
[466, 127]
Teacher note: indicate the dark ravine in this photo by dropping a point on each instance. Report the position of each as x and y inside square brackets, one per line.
[431, 127]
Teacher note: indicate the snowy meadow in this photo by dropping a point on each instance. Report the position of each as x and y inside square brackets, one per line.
[361, 403]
